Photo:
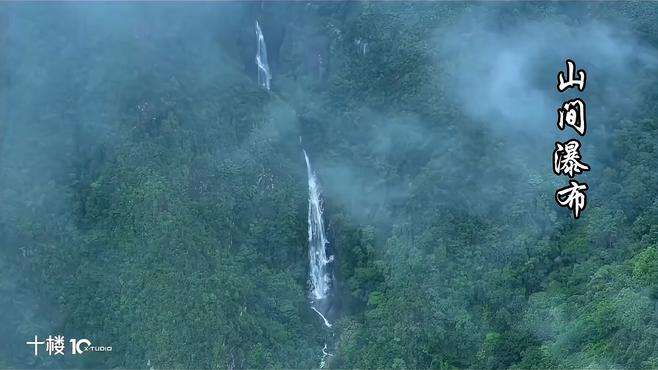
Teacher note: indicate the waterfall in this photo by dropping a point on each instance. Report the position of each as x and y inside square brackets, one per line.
[325, 354]
[317, 240]
[264, 75]
[361, 46]
[326, 322]
[319, 273]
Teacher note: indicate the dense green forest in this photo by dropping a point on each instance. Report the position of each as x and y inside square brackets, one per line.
[153, 197]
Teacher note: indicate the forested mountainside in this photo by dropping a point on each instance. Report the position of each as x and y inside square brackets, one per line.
[154, 197]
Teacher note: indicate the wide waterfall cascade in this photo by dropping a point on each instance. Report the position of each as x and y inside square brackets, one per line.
[317, 239]
[264, 75]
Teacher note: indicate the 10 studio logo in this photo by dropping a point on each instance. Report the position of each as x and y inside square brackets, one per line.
[57, 345]
[79, 346]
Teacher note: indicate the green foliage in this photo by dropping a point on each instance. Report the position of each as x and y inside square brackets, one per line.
[154, 199]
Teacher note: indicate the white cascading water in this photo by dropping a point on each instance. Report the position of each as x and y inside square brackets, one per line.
[325, 354]
[324, 319]
[319, 273]
[264, 75]
[317, 241]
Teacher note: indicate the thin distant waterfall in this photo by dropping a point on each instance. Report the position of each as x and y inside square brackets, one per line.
[317, 243]
[264, 75]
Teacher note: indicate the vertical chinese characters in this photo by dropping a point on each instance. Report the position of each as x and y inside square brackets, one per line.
[566, 156]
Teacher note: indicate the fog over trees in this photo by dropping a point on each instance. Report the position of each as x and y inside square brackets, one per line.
[154, 193]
